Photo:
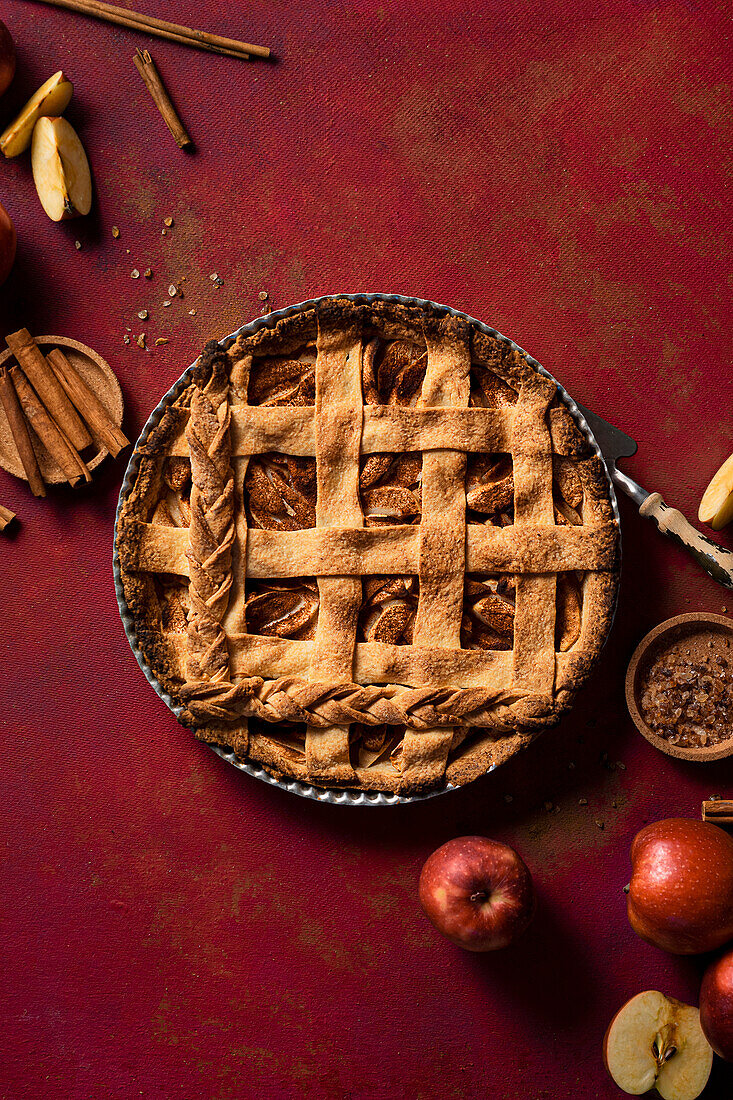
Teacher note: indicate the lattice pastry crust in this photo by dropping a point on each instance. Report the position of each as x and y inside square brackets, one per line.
[410, 521]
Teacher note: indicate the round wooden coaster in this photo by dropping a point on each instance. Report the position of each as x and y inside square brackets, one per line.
[100, 378]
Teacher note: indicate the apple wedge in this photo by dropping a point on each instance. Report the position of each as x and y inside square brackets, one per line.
[60, 169]
[716, 506]
[52, 98]
[656, 1042]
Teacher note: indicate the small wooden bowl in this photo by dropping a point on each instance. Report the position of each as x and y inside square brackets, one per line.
[100, 378]
[658, 639]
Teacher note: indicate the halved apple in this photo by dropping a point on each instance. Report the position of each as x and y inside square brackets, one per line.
[60, 169]
[656, 1042]
[716, 506]
[52, 98]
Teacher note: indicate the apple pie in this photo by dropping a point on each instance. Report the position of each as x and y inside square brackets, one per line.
[368, 546]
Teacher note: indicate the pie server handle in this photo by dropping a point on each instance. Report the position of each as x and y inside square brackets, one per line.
[714, 559]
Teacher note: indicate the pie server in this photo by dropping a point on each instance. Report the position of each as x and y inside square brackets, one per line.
[616, 444]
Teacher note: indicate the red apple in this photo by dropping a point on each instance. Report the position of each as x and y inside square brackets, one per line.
[680, 897]
[7, 58]
[716, 1005]
[477, 892]
[8, 241]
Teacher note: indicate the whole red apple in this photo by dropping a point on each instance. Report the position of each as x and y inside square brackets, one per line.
[680, 896]
[8, 242]
[7, 58]
[716, 1005]
[477, 892]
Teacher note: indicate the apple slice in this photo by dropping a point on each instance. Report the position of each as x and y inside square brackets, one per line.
[52, 98]
[716, 506]
[60, 169]
[657, 1042]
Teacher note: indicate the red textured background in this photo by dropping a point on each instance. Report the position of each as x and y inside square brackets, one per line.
[171, 928]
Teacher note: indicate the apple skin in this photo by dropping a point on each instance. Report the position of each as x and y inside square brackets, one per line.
[8, 241]
[7, 58]
[680, 897]
[477, 892]
[716, 1005]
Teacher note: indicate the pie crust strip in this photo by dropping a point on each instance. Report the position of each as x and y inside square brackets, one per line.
[256, 429]
[208, 688]
[442, 534]
[338, 424]
[390, 550]
[534, 614]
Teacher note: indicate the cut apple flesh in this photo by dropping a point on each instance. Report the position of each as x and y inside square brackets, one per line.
[657, 1042]
[60, 169]
[716, 506]
[52, 98]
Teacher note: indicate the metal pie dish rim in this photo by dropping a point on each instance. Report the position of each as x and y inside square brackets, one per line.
[335, 795]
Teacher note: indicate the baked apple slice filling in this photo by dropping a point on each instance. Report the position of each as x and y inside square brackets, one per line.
[280, 492]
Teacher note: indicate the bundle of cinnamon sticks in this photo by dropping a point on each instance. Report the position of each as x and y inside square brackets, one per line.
[45, 399]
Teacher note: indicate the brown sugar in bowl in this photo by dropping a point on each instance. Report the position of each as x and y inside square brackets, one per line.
[696, 626]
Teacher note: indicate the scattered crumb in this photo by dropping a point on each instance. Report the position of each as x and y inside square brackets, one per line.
[77, 245]
[582, 801]
[714, 797]
[164, 232]
[168, 222]
[620, 765]
[549, 807]
[724, 608]
[115, 231]
[173, 290]
[129, 329]
[615, 804]
[134, 274]
[127, 251]
[571, 765]
[141, 341]
[143, 314]
[161, 340]
[263, 295]
[600, 824]
[216, 279]
[126, 339]
[148, 272]
[166, 302]
[192, 313]
[508, 797]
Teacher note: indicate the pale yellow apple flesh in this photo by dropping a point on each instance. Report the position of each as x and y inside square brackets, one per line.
[716, 506]
[657, 1042]
[52, 98]
[60, 169]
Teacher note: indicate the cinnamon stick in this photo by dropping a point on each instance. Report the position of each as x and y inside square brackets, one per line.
[148, 71]
[21, 435]
[718, 810]
[33, 362]
[104, 430]
[174, 32]
[58, 446]
[6, 517]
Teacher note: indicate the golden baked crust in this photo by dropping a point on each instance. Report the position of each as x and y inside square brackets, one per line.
[411, 523]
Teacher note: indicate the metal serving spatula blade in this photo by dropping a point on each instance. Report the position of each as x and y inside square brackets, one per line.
[616, 444]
